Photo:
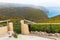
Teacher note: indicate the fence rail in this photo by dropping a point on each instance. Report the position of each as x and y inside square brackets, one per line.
[46, 23]
[4, 21]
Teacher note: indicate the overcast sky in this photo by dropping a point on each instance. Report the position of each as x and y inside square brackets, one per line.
[35, 2]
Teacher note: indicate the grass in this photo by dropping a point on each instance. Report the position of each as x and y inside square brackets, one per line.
[17, 27]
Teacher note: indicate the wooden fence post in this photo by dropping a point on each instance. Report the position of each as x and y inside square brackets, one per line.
[24, 27]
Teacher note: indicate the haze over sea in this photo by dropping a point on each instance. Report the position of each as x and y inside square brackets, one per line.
[53, 11]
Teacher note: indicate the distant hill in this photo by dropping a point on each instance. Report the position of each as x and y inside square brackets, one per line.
[55, 19]
[22, 12]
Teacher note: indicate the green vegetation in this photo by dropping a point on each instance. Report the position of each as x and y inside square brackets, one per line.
[50, 28]
[15, 14]
[15, 35]
[17, 27]
[55, 19]
[28, 13]
[3, 24]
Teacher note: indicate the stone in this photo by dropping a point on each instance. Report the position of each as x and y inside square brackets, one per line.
[36, 32]
[32, 32]
[57, 34]
[50, 34]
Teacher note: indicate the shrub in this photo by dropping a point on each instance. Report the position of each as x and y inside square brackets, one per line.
[15, 35]
[50, 28]
[17, 27]
[38, 27]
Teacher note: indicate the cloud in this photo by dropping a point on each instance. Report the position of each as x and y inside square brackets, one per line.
[35, 2]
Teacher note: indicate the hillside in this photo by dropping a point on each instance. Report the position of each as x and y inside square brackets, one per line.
[55, 19]
[28, 13]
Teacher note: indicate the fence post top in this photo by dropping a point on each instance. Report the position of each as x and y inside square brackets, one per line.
[22, 21]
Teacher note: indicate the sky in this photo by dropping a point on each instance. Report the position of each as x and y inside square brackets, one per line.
[45, 3]
[35, 2]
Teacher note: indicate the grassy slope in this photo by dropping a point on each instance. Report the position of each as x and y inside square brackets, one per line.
[29, 13]
[55, 19]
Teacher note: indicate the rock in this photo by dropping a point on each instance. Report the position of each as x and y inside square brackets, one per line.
[36, 32]
[46, 34]
[57, 34]
[42, 33]
[51, 34]
[32, 32]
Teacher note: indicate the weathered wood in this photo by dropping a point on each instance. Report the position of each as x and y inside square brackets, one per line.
[47, 23]
[24, 27]
[4, 21]
[10, 26]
